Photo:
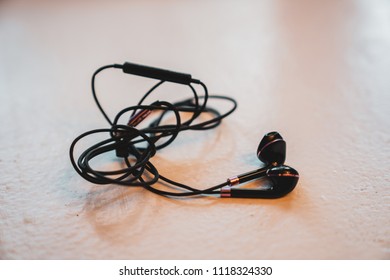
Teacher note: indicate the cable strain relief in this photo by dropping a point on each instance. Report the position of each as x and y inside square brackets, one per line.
[195, 81]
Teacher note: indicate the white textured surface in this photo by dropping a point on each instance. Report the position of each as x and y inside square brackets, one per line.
[316, 72]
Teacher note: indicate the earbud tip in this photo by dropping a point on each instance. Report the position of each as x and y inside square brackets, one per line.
[272, 149]
[284, 177]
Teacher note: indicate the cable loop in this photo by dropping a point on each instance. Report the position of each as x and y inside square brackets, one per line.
[136, 146]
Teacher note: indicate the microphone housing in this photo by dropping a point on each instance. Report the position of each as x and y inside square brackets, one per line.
[157, 73]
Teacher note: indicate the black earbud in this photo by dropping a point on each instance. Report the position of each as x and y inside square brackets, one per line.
[283, 180]
[271, 151]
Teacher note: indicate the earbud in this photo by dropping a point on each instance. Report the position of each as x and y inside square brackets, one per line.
[283, 180]
[271, 151]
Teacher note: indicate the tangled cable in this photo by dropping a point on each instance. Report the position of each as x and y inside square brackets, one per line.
[136, 146]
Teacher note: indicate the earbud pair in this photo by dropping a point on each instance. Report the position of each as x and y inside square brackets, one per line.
[283, 179]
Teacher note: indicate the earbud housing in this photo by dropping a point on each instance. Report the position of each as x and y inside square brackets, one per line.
[283, 180]
[272, 149]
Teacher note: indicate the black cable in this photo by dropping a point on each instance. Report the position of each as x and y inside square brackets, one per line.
[94, 92]
[136, 146]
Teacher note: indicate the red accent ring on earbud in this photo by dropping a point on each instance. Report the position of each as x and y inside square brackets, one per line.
[226, 192]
